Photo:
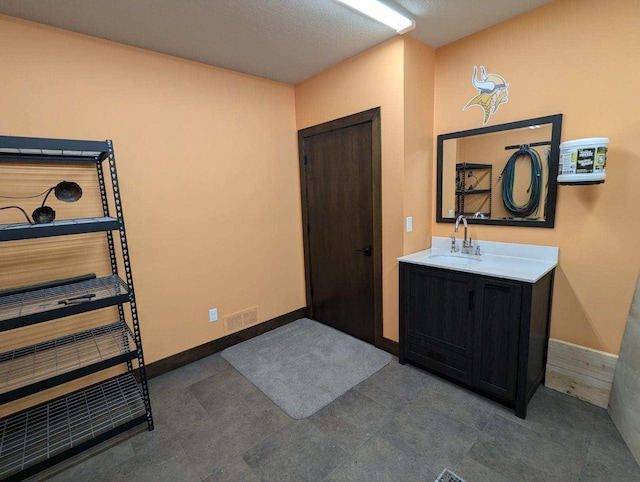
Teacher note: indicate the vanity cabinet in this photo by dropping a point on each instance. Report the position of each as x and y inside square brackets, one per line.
[488, 334]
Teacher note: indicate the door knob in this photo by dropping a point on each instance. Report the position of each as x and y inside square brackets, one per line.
[367, 250]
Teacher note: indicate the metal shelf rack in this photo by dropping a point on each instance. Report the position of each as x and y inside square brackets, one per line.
[462, 191]
[36, 438]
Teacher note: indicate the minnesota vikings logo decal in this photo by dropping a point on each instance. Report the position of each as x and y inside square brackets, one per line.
[493, 91]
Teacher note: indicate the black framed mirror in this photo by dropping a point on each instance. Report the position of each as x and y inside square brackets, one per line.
[502, 175]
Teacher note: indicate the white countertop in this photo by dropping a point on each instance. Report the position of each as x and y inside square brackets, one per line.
[520, 262]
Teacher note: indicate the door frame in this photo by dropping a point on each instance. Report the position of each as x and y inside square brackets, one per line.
[369, 116]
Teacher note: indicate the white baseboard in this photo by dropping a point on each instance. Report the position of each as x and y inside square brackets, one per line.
[581, 372]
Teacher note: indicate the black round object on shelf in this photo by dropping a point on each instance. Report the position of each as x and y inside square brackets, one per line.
[43, 215]
[68, 191]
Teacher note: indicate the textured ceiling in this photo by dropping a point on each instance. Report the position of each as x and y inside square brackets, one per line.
[282, 40]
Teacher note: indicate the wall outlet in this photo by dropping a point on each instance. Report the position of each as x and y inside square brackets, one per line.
[213, 315]
[409, 224]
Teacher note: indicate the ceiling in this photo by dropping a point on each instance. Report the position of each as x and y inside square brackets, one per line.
[283, 40]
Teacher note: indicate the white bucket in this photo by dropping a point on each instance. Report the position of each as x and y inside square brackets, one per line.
[583, 161]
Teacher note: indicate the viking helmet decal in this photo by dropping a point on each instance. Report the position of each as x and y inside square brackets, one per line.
[492, 92]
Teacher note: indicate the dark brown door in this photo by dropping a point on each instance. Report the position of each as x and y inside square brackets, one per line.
[340, 187]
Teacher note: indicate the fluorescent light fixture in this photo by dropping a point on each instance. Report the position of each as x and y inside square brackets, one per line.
[383, 14]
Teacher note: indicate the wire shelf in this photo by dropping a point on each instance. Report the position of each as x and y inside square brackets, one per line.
[13, 232]
[36, 306]
[45, 361]
[51, 150]
[40, 433]
[473, 191]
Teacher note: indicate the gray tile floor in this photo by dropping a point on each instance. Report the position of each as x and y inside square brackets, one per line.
[400, 424]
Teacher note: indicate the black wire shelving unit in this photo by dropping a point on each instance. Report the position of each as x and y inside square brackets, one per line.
[36, 438]
[463, 191]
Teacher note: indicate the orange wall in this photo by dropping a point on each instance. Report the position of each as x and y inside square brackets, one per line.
[419, 67]
[378, 77]
[207, 161]
[588, 50]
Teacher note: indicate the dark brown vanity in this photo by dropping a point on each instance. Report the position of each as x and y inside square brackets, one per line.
[488, 334]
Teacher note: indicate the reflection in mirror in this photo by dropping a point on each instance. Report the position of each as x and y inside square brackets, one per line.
[475, 166]
[503, 174]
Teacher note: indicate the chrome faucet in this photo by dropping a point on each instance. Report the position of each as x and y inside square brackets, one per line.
[467, 245]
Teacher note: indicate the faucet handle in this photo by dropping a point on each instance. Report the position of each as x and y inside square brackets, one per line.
[453, 243]
[478, 253]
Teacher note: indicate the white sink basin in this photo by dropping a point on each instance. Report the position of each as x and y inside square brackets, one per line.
[519, 262]
[452, 258]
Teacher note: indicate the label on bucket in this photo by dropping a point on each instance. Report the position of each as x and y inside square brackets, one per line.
[585, 160]
[567, 163]
[601, 159]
